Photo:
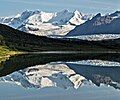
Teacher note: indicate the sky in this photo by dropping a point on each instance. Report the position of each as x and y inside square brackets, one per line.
[13, 7]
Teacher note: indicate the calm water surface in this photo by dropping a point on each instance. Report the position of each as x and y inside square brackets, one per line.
[60, 77]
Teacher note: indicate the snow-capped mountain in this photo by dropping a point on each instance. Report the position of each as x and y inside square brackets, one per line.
[108, 25]
[40, 76]
[16, 21]
[74, 24]
[44, 23]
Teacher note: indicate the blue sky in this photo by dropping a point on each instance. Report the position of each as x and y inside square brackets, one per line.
[12, 7]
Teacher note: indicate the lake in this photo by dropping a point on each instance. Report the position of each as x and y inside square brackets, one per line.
[60, 76]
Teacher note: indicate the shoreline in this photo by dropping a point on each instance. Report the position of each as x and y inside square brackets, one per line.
[12, 53]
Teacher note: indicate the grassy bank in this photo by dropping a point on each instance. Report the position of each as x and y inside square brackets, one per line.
[7, 52]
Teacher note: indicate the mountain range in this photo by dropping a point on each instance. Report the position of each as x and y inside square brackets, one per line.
[15, 32]
[45, 23]
[67, 24]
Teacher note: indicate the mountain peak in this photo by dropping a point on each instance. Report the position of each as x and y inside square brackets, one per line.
[97, 16]
[77, 13]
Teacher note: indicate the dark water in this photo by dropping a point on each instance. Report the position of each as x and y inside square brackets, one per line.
[60, 77]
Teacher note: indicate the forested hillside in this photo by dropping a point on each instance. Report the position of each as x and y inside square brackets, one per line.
[21, 41]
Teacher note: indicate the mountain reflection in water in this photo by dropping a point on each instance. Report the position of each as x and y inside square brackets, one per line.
[64, 71]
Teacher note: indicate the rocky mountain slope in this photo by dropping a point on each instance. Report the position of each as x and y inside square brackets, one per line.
[99, 27]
